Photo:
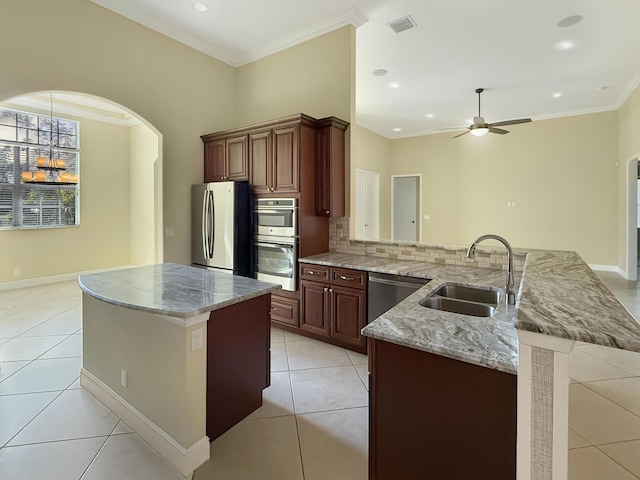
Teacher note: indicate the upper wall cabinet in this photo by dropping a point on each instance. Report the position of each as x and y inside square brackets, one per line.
[293, 156]
[330, 165]
[226, 159]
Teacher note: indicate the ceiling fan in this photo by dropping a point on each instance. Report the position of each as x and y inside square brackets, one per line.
[480, 127]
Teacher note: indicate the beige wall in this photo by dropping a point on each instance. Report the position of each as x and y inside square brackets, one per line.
[371, 151]
[561, 173]
[314, 78]
[182, 92]
[628, 149]
[102, 238]
[112, 341]
[143, 153]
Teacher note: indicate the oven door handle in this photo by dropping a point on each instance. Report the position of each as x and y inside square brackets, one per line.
[270, 210]
[276, 245]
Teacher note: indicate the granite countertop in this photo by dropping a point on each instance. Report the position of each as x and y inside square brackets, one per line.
[172, 290]
[558, 295]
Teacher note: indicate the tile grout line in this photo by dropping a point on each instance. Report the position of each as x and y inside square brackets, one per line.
[612, 401]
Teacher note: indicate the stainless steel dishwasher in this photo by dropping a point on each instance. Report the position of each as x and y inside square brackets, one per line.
[386, 291]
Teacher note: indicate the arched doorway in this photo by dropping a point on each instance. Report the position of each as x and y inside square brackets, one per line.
[120, 192]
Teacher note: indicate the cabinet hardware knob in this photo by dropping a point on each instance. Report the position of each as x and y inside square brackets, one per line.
[347, 278]
[331, 290]
[310, 272]
[327, 212]
[326, 289]
[273, 309]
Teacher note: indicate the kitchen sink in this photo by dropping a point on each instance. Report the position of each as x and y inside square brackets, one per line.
[473, 301]
[488, 295]
[459, 306]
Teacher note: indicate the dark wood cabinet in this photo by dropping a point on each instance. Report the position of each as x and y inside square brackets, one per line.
[260, 154]
[236, 163]
[214, 161]
[334, 304]
[285, 160]
[238, 358]
[436, 417]
[330, 167]
[284, 310]
[315, 307]
[348, 306]
[226, 159]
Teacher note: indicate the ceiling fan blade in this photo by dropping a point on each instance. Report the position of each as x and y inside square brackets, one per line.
[460, 134]
[509, 122]
[498, 130]
[451, 128]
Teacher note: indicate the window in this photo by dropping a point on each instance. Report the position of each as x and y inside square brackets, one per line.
[39, 166]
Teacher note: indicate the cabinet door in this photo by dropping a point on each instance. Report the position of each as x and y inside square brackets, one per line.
[285, 159]
[315, 308]
[214, 161]
[260, 161]
[323, 172]
[236, 159]
[348, 313]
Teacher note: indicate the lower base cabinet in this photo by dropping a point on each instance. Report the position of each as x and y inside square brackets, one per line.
[285, 310]
[334, 305]
[435, 417]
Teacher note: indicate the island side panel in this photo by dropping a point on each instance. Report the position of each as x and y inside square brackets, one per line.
[238, 362]
[166, 381]
[435, 417]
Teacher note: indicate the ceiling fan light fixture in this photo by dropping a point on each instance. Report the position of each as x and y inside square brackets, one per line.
[480, 131]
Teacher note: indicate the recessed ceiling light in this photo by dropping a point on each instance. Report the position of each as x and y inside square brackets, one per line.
[394, 85]
[556, 95]
[201, 7]
[567, 22]
[565, 45]
[429, 115]
[397, 129]
[380, 72]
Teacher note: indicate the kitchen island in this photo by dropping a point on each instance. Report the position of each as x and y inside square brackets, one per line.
[179, 353]
[560, 301]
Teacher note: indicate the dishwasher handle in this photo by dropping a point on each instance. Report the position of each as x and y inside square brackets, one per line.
[396, 283]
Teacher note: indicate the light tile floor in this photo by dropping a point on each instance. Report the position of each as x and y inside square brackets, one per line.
[312, 426]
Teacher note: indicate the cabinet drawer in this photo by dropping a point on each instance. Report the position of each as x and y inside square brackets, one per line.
[318, 273]
[285, 310]
[348, 278]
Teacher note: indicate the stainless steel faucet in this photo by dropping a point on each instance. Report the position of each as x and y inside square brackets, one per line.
[510, 288]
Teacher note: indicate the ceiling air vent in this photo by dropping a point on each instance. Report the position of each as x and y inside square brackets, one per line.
[402, 24]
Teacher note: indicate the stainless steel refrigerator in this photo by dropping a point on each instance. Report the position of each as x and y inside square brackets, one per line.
[220, 226]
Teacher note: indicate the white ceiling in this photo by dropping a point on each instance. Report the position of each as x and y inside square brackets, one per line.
[507, 47]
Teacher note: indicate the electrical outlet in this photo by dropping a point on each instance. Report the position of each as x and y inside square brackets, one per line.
[16, 272]
[196, 340]
[123, 377]
[170, 231]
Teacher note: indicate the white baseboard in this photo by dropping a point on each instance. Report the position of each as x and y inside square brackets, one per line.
[608, 268]
[183, 460]
[65, 277]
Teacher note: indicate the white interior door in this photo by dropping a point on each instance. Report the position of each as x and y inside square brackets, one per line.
[367, 205]
[405, 208]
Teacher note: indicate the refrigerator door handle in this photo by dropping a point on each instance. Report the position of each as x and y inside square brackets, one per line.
[203, 226]
[212, 220]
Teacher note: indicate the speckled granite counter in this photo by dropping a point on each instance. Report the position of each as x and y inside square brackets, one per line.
[173, 290]
[559, 295]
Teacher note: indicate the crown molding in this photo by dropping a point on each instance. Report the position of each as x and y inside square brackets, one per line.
[631, 87]
[352, 16]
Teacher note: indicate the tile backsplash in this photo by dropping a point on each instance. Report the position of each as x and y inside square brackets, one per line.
[495, 259]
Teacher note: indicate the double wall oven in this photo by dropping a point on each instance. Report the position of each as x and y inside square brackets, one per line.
[275, 241]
